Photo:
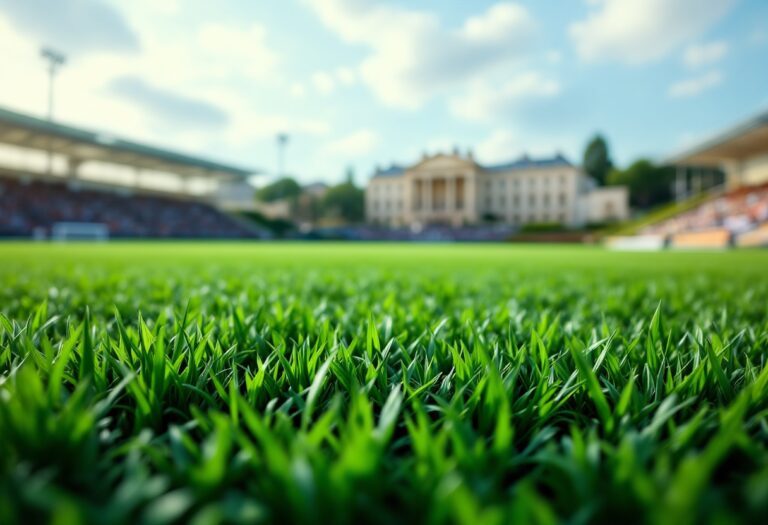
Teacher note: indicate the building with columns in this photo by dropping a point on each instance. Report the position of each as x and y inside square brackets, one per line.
[454, 189]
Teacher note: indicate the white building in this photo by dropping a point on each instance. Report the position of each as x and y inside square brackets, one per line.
[455, 190]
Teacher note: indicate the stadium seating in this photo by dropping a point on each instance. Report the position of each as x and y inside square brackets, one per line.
[728, 216]
[713, 238]
[33, 207]
[754, 238]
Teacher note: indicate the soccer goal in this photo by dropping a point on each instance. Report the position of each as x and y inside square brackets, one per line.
[79, 231]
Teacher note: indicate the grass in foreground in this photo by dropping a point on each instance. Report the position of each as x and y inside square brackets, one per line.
[162, 383]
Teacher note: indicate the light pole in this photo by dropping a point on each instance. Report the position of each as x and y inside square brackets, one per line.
[55, 61]
[282, 141]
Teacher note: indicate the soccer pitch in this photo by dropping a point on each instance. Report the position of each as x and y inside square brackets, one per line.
[381, 383]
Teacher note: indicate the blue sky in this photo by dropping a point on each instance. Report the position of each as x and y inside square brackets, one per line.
[363, 83]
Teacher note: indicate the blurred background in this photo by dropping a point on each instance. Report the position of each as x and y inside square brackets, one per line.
[639, 123]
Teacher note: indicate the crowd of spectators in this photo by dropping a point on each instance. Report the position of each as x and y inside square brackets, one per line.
[32, 207]
[738, 211]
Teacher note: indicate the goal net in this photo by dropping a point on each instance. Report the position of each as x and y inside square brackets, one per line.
[79, 231]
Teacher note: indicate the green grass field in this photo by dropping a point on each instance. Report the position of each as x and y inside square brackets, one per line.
[315, 383]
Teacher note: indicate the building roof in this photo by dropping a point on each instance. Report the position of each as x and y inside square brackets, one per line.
[392, 171]
[23, 130]
[524, 162]
[746, 139]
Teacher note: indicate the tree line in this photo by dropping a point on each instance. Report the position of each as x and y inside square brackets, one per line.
[649, 183]
[340, 203]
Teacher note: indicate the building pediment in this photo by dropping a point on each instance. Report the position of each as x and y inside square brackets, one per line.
[443, 162]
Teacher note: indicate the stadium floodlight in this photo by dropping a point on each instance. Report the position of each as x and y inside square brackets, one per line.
[55, 61]
[282, 141]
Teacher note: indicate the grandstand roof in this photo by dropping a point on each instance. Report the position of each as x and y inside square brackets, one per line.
[23, 130]
[745, 140]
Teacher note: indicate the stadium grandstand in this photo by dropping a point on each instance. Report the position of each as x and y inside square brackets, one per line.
[734, 213]
[56, 179]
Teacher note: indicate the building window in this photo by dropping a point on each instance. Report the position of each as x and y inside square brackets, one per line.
[532, 200]
[561, 218]
[563, 199]
[502, 201]
[516, 219]
[516, 200]
[545, 199]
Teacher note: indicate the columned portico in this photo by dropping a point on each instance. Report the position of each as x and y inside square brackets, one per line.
[426, 184]
[438, 192]
[439, 199]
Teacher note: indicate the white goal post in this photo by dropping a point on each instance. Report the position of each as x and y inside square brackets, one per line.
[79, 231]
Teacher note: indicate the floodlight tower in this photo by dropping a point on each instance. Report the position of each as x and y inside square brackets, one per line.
[282, 142]
[55, 61]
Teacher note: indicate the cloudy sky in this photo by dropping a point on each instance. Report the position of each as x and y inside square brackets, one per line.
[365, 82]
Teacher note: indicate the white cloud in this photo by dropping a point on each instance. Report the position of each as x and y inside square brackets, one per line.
[638, 31]
[412, 56]
[500, 146]
[81, 26]
[230, 49]
[705, 54]
[356, 144]
[327, 82]
[483, 101]
[219, 78]
[695, 85]
[297, 90]
[505, 145]
[346, 76]
[324, 82]
[167, 7]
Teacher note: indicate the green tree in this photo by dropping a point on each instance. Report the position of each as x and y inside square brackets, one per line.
[344, 201]
[284, 188]
[649, 185]
[597, 159]
[350, 175]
